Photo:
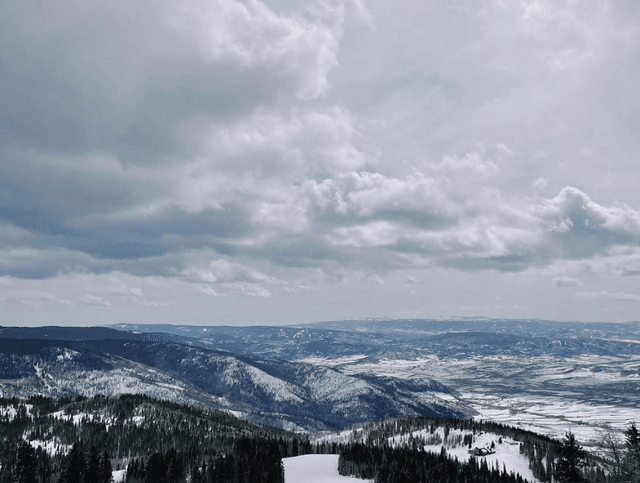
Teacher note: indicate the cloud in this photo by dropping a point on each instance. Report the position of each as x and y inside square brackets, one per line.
[582, 228]
[566, 282]
[249, 289]
[224, 271]
[254, 150]
[40, 299]
[206, 289]
[95, 301]
[179, 60]
[616, 296]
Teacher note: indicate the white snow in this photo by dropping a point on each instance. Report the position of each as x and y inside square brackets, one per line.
[333, 361]
[118, 475]
[67, 355]
[314, 468]
[52, 447]
[9, 411]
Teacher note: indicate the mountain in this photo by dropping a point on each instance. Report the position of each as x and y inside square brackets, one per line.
[287, 394]
[541, 375]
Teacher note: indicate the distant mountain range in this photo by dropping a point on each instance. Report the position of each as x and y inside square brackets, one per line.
[288, 394]
[333, 374]
[377, 338]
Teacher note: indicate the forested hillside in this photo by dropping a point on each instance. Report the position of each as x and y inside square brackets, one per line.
[62, 440]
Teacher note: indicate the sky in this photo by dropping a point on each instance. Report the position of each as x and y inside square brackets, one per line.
[254, 162]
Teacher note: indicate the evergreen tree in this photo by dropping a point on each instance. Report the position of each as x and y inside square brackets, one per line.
[633, 453]
[156, 471]
[569, 465]
[104, 473]
[91, 472]
[25, 468]
[73, 469]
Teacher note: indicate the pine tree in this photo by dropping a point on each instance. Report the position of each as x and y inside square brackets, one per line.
[26, 465]
[633, 452]
[105, 474]
[92, 467]
[74, 465]
[569, 465]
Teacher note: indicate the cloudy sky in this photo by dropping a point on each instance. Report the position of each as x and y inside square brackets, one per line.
[281, 161]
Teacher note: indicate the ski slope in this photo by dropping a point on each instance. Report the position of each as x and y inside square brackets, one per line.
[314, 468]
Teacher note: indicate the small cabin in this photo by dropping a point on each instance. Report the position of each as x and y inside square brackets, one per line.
[481, 451]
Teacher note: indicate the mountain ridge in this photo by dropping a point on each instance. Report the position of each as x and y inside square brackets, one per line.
[271, 391]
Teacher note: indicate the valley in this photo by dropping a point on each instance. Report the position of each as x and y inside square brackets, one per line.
[549, 395]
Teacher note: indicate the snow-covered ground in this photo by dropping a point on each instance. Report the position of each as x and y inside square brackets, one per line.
[118, 475]
[51, 446]
[546, 394]
[314, 468]
[553, 416]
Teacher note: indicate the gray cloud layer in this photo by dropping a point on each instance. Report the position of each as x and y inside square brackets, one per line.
[263, 149]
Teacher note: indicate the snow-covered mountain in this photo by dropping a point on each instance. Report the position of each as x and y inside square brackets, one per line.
[293, 395]
[546, 376]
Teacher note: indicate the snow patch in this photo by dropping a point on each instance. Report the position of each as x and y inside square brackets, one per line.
[118, 475]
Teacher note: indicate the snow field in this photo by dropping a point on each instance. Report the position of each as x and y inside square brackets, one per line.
[118, 475]
[553, 416]
[314, 468]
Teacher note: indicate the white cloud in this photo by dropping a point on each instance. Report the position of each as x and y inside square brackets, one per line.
[616, 296]
[249, 289]
[95, 301]
[252, 34]
[208, 290]
[566, 282]
[574, 210]
[224, 271]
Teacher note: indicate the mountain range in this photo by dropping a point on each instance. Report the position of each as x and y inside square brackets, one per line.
[288, 394]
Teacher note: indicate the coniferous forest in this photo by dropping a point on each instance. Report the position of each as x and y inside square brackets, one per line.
[80, 440]
[156, 441]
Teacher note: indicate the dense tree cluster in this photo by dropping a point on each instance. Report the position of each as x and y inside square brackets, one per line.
[379, 432]
[86, 467]
[159, 441]
[251, 461]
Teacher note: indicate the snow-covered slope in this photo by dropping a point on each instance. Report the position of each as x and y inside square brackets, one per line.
[314, 468]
